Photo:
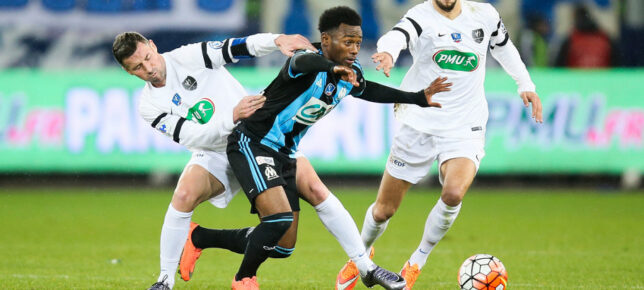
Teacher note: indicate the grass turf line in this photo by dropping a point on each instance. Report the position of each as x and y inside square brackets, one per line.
[68, 238]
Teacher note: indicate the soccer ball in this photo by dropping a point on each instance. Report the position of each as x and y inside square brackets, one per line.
[482, 271]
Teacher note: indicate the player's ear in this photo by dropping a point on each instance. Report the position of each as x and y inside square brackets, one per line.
[325, 39]
[152, 45]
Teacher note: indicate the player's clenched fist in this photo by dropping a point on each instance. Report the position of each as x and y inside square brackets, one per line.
[247, 106]
[437, 86]
[347, 74]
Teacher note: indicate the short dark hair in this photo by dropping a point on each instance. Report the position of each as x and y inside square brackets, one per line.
[333, 17]
[125, 43]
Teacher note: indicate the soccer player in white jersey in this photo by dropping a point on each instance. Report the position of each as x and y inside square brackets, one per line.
[190, 97]
[446, 38]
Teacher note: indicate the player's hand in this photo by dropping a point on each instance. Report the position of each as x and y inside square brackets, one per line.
[247, 106]
[384, 60]
[437, 86]
[532, 97]
[288, 44]
[347, 74]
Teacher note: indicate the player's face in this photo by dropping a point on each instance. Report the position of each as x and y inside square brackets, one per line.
[343, 44]
[446, 5]
[146, 63]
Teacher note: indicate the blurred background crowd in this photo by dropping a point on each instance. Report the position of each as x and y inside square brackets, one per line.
[79, 33]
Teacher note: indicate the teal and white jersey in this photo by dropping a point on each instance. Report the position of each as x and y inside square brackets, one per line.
[456, 49]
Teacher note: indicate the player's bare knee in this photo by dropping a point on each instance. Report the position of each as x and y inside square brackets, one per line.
[383, 213]
[185, 198]
[452, 197]
[317, 194]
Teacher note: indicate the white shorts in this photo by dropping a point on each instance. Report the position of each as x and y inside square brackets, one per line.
[217, 164]
[413, 153]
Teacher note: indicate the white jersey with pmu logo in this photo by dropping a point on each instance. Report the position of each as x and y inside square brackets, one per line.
[195, 107]
[456, 49]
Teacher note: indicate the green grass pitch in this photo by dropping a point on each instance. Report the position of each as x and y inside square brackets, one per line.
[547, 239]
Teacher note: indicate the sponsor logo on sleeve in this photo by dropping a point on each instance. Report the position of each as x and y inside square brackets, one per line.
[189, 83]
[215, 44]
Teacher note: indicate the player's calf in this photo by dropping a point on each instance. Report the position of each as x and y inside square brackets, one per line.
[262, 241]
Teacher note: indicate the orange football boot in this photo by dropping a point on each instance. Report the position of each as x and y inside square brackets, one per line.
[246, 284]
[349, 274]
[189, 256]
[410, 273]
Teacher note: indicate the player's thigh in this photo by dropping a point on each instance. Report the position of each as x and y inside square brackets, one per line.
[290, 237]
[309, 184]
[459, 161]
[223, 183]
[272, 201]
[267, 176]
[195, 185]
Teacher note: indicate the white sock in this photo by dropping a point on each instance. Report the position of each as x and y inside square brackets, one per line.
[439, 220]
[340, 224]
[174, 234]
[371, 229]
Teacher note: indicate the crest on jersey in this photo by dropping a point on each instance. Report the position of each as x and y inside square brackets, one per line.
[456, 37]
[329, 89]
[176, 99]
[478, 35]
[189, 83]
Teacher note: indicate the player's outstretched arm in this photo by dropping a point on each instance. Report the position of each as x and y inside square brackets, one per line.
[304, 62]
[377, 93]
[218, 53]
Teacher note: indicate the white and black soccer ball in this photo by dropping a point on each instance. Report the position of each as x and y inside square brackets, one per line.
[482, 271]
